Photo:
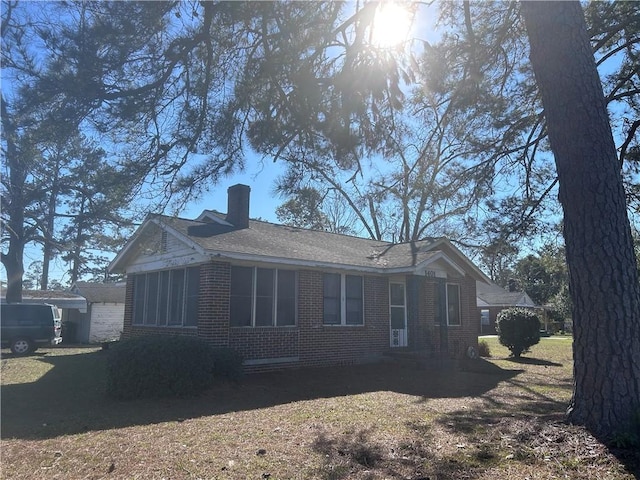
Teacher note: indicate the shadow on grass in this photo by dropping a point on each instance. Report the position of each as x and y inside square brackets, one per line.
[71, 398]
[533, 361]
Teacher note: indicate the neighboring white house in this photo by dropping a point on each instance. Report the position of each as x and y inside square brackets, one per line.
[104, 317]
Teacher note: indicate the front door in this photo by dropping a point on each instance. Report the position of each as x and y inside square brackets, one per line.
[398, 314]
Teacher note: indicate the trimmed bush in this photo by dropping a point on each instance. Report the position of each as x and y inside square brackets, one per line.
[518, 329]
[227, 363]
[159, 366]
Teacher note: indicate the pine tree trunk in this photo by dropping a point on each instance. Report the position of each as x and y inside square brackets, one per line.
[14, 211]
[603, 279]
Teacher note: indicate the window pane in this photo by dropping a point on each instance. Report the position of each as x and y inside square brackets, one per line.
[353, 286]
[331, 309]
[332, 285]
[286, 314]
[453, 304]
[354, 311]
[396, 293]
[163, 298]
[354, 304]
[241, 290]
[193, 296]
[264, 297]
[176, 300]
[331, 293]
[152, 298]
[139, 285]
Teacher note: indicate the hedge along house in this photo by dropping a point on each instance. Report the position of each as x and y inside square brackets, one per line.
[289, 297]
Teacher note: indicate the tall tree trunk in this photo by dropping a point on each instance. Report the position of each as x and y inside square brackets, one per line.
[13, 258]
[603, 279]
[48, 233]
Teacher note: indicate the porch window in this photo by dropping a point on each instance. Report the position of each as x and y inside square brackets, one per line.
[262, 297]
[165, 298]
[343, 299]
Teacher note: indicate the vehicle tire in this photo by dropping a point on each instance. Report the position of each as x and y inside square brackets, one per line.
[21, 346]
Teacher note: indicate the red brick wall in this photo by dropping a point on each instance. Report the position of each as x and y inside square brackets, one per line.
[310, 343]
[334, 345]
[213, 307]
[459, 337]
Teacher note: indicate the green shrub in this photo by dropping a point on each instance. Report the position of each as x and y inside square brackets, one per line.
[227, 363]
[483, 349]
[518, 329]
[159, 366]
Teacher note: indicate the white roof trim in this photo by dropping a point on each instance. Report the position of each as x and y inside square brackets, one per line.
[442, 256]
[414, 269]
[128, 246]
[163, 226]
[464, 258]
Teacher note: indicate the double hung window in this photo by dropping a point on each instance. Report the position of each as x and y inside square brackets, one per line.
[343, 299]
[447, 304]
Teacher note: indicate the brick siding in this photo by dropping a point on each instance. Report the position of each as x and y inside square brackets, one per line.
[310, 342]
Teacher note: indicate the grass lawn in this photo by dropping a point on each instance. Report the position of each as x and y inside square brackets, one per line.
[503, 420]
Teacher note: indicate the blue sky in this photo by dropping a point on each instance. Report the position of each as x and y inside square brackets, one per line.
[260, 176]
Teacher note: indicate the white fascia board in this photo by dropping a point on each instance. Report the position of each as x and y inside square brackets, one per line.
[122, 254]
[422, 267]
[484, 278]
[167, 262]
[253, 258]
[416, 270]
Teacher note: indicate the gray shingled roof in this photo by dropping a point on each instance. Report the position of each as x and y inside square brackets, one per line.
[61, 298]
[262, 241]
[280, 241]
[101, 292]
[495, 295]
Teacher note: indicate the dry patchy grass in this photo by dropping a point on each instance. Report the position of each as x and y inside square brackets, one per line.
[497, 419]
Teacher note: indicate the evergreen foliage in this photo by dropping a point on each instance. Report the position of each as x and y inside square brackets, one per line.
[518, 329]
[227, 363]
[166, 366]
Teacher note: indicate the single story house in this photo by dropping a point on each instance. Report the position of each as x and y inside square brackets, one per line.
[291, 297]
[103, 318]
[492, 299]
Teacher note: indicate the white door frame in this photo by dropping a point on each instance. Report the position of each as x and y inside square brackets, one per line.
[398, 336]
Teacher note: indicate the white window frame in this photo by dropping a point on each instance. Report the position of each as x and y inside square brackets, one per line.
[343, 300]
[404, 301]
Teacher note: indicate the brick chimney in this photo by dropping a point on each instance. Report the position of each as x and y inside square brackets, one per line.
[238, 205]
